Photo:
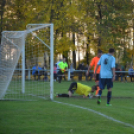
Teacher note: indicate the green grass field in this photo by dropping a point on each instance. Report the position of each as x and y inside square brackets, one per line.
[71, 115]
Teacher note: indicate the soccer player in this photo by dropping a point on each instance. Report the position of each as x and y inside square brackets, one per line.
[80, 89]
[94, 62]
[107, 74]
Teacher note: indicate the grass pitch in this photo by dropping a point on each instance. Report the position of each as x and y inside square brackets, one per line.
[71, 115]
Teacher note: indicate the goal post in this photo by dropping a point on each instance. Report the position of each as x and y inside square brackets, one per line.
[52, 62]
[23, 65]
[25, 50]
[50, 47]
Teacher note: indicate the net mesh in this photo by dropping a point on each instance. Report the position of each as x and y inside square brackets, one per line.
[9, 55]
[36, 83]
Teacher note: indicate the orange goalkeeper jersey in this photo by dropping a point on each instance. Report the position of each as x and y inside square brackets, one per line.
[94, 63]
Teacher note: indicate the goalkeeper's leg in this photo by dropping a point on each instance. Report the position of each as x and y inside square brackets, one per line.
[72, 88]
[63, 95]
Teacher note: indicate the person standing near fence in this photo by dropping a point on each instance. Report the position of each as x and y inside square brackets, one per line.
[57, 65]
[58, 69]
[118, 73]
[107, 74]
[45, 73]
[80, 68]
[123, 74]
[55, 72]
[62, 66]
[36, 71]
[71, 71]
[94, 62]
[130, 72]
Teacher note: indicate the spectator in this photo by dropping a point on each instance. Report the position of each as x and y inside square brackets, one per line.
[57, 65]
[86, 76]
[45, 73]
[130, 73]
[71, 71]
[123, 74]
[80, 68]
[117, 74]
[62, 66]
[55, 72]
[90, 74]
[36, 71]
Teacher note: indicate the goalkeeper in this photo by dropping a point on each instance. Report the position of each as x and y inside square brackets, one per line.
[80, 89]
[62, 66]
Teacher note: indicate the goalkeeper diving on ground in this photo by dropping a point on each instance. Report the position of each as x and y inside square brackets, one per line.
[80, 89]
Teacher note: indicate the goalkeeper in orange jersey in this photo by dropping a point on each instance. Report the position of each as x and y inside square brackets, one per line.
[94, 62]
[80, 89]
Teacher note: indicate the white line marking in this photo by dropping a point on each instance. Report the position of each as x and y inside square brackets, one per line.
[91, 110]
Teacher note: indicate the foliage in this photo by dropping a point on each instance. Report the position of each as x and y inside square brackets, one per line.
[100, 22]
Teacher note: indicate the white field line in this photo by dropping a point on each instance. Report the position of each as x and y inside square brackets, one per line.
[118, 107]
[91, 110]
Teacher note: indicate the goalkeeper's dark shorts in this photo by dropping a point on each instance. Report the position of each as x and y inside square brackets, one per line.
[73, 87]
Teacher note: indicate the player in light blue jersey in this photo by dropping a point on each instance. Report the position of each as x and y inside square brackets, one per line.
[107, 74]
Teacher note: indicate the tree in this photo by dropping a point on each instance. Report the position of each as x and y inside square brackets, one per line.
[2, 5]
[96, 23]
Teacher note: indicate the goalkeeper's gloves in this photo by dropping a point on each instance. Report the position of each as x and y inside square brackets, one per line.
[90, 96]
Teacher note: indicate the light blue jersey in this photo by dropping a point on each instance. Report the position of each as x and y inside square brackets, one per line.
[107, 62]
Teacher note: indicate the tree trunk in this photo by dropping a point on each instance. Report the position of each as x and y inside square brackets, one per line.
[100, 21]
[88, 51]
[74, 53]
[2, 3]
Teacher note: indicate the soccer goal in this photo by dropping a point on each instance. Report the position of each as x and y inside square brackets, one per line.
[26, 63]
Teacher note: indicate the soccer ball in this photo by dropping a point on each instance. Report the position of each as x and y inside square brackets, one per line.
[34, 34]
[90, 96]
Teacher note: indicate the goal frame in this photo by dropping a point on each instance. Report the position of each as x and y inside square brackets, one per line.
[51, 48]
[51, 52]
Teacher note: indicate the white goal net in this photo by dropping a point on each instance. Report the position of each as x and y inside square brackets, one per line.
[26, 63]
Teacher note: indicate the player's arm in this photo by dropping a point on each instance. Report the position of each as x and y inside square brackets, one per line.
[113, 68]
[66, 67]
[89, 96]
[90, 66]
